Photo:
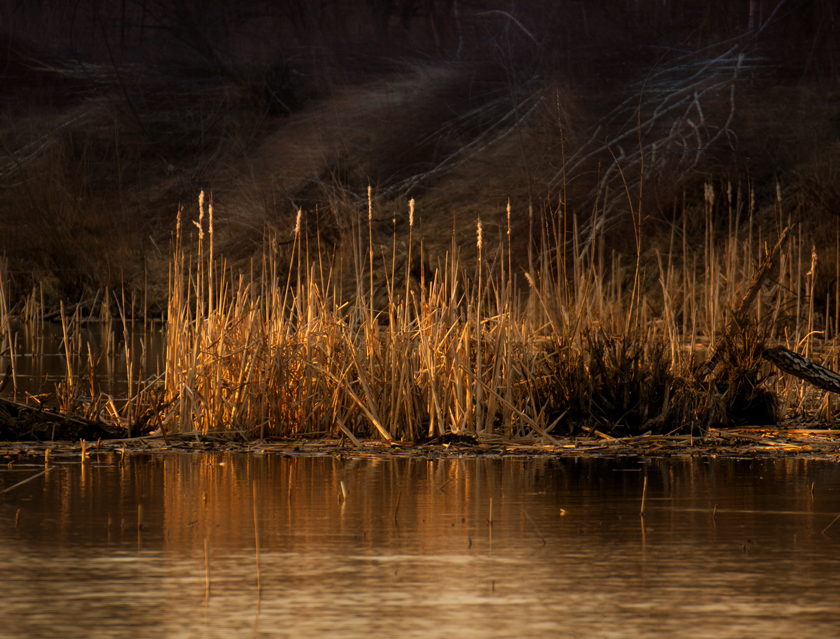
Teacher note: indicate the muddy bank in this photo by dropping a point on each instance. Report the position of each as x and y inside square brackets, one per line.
[790, 440]
[22, 422]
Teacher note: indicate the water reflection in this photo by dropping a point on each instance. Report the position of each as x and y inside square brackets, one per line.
[97, 357]
[725, 549]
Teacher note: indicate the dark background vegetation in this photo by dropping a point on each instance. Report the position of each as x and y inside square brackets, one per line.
[114, 113]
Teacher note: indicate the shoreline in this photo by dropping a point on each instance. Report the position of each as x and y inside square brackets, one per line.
[745, 442]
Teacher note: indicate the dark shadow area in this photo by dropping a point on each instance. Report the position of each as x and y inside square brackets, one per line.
[114, 114]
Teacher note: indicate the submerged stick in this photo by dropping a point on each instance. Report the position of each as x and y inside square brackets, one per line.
[257, 536]
[537, 530]
[206, 568]
[397, 507]
[831, 524]
[28, 479]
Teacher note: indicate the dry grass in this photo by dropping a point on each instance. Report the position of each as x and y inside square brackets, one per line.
[586, 307]
[403, 349]
[467, 349]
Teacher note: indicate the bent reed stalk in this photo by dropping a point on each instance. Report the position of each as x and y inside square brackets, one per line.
[468, 352]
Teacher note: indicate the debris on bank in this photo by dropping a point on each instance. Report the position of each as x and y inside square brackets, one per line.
[788, 441]
[21, 422]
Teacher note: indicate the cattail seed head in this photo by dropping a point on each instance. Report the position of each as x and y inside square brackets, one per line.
[813, 270]
[709, 193]
[411, 212]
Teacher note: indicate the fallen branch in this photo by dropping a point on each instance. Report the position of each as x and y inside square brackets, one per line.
[28, 479]
[798, 366]
[739, 317]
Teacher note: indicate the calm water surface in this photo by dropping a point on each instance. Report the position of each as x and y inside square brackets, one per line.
[97, 357]
[412, 551]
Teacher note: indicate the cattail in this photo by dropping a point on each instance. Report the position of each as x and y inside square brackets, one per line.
[478, 234]
[297, 222]
[370, 244]
[508, 239]
[408, 268]
[709, 194]
[813, 269]
[200, 216]
[210, 261]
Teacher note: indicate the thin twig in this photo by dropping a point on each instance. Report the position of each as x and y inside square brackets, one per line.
[257, 536]
[831, 524]
[28, 479]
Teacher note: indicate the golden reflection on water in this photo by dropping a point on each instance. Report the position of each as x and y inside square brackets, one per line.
[408, 548]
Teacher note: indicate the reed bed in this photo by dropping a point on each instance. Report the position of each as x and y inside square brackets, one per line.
[578, 341]
[581, 339]
[100, 385]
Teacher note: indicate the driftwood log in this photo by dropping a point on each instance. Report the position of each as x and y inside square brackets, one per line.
[783, 358]
[803, 368]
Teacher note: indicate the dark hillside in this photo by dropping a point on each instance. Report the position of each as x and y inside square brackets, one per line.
[114, 114]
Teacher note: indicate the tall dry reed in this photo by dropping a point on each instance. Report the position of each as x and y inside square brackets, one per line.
[585, 341]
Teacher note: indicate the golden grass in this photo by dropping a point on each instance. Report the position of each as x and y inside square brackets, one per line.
[580, 341]
[583, 341]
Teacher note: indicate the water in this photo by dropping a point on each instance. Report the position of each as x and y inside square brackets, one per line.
[97, 357]
[412, 552]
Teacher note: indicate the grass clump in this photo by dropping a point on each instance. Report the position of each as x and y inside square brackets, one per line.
[299, 351]
[619, 385]
[396, 343]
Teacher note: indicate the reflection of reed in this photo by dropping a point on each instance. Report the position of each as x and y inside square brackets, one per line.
[322, 563]
[445, 504]
[83, 359]
[287, 507]
[257, 534]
